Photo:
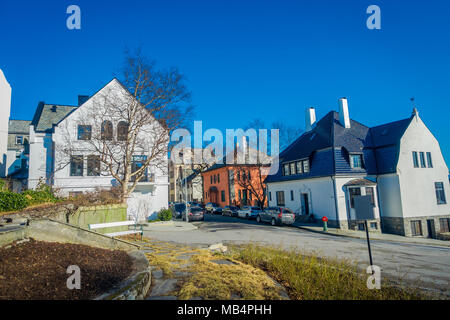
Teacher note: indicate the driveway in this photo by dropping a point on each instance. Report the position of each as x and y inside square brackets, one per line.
[424, 266]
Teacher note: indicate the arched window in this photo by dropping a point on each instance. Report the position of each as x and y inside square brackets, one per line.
[122, 131]
[107, 130]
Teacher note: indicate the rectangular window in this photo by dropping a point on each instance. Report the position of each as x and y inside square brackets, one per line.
[93, 166]
[445, 224]
[292, 167]
[84, 132]
[299, 167]
[222, 195]
[218, 178]
[415, 159]
[440, 192]
[76, 166]
[215, 179]
[356, 161]
[354, 192]
[292, 195]
[422, 160]
[240, 194]
[306, 166]
[416, 228]
[374, 225]
[19, 139]
[369, 192]
[286, 169]
[137, 163]
[270, 196]
[429, 160]
[280, 199]
[211, 179]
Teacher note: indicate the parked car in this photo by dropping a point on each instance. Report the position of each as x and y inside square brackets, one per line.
[231, 211]
[177, 209]
[194, 213]
[276, 216]
[212, 208]
[248, 212]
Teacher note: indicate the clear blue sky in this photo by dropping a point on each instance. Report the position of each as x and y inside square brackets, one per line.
[243, 59]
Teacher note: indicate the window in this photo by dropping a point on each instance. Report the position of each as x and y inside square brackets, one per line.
[280, 199]
[84, 132]
[107, 130]
[422, 160]
[416, 228]
[137, 163]
[286, 169]
[440, 193]
[299, 167]
[248, 175]
[369, 192]
[211, 179]
[93, 165]
[222, 195]
[354, 192]
[445, 224]
[240, 194]
[292, 195]
[356, 161]
[270, 196]
[415, 159]
[292, 167]
[238, 175]
[306, 166]
[122, 131]
[218, 178]
[19, 139]
[215, 179]
[243, 175]
[374, 225]
[429, 160]
[76, 166]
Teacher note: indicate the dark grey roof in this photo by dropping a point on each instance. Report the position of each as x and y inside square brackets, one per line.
[360, 182]
[48, 115]
[19, 126]
[329, 144]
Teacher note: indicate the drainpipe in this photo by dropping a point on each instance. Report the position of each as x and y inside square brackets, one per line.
[335, 201]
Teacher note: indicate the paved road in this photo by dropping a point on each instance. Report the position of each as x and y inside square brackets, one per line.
[424, 265]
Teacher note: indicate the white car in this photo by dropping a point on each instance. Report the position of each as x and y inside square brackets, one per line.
[248, 212]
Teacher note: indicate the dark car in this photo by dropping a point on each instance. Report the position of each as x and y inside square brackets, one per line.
[212, 208]
[231, 211]
[177, 209]
[194, 214]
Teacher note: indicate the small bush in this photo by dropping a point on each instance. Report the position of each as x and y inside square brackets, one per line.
[3, 185]
[165, 215]
[10, 201]
[42, 194]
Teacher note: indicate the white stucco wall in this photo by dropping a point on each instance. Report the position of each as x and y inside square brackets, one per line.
[390, 196]
[5, 110]
[417, 187]
[40, 159]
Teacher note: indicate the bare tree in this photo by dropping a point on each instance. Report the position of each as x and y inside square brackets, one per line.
[251, 178]
[144, 108]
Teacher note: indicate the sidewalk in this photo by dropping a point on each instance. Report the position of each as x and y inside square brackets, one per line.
[373, 236]
[170, 226]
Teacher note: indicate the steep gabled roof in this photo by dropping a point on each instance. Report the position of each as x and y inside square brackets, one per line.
[19, 126]
[48, 115]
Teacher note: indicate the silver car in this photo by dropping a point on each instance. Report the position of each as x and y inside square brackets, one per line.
[276, 216]
[248, 212]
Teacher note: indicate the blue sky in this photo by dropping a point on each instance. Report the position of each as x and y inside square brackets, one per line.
[243, 59]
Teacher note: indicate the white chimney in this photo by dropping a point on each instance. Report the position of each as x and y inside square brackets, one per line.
[310, 118]
[344, 117]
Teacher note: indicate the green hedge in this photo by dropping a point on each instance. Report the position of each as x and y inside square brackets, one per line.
[10, 201]
[42, 195]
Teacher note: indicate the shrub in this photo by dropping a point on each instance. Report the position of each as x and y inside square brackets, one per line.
[165, 215]
[42, 194]
[10, 201]
[3, 185]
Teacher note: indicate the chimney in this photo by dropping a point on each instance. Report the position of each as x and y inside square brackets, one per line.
[310, 118]
[82, 99]
[344, 117]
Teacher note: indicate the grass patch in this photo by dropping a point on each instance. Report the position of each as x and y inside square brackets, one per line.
[308, 277]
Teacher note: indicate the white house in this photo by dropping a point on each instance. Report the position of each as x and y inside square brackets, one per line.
[55, 128]
[393, 175]
[5, 109]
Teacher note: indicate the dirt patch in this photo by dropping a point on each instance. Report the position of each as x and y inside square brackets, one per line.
[36, 270]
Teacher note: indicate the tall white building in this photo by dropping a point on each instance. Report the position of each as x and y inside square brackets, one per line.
[5, 109]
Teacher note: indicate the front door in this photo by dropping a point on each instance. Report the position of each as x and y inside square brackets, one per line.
[430, 227]
[305, 204]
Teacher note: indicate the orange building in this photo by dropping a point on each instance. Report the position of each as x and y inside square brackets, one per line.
[229, 185]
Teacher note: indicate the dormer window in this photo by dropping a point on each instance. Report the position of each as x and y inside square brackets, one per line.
[356, 161]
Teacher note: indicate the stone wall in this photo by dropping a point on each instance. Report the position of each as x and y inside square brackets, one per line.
[402, 226]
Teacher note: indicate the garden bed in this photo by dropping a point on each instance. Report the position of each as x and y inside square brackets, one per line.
[36, 270]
